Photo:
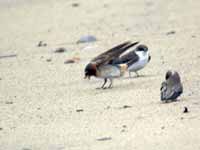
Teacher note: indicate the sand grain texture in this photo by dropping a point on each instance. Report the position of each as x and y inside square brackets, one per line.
[39, 99]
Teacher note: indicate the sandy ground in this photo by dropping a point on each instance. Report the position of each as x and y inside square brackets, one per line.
[39, 99]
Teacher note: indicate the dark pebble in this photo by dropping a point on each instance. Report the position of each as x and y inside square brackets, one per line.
[87, 39]
[170, 32]
[104, 139]
[70, 61]
[79, 110]
[1, 129]
[126, 106]
[49, 60]
[60, 50]
[185, 110]
[8, 102]
[41, 44]
[162, 127]
[75, 4]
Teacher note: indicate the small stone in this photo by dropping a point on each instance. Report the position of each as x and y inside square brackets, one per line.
[79, 110]
[170, 32]
[185, 110]
[73, 60]
[162, 127]
[75, 4]
[49, 60]
[87, 39]
[1, 129]
[8, 102]
[60, 50]
[26, 149]
[124, 126]
[41, 44]
[126, 106]
[182, 118]
[104, 139]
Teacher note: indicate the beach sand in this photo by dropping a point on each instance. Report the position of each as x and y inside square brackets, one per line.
[47, 105]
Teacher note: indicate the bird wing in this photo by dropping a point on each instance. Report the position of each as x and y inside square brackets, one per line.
[112, 53]
[129, 58]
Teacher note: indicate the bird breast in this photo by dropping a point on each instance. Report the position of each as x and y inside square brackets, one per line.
[143, 60]
[109, 71]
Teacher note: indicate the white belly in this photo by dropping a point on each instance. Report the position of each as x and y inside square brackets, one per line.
[141, 63]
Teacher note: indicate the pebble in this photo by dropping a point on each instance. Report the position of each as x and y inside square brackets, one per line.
[60, 50]
[170, 32]
[87, 39]
[104, 139]
[185, 110]
[41, 44]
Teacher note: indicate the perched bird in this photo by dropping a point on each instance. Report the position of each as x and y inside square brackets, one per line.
[103, 65]
[136, 59]
[172, 87]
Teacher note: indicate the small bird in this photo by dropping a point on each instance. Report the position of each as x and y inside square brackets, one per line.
[136, 59]
[172, 87]
[103, 65]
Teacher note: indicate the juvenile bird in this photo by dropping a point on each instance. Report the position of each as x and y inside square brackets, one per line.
[172, 87]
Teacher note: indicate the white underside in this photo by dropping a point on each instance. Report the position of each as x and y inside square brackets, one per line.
[141, 63]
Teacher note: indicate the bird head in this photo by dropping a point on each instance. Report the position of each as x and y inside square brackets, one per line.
[168, 74]
[142, 48]
[90, 70]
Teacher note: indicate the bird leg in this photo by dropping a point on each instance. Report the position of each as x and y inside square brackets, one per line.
[137, 75]
[110, 85]
[129, 74]
[105, 81]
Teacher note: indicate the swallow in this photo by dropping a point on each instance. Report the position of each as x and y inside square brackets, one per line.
[136, 59]
[172, 87]
[103, 65]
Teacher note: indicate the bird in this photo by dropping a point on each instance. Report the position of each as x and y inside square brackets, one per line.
[136, 59]
[172, 87]
[103, 66]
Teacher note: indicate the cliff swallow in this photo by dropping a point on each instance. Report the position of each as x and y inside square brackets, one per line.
[172, 87]
[103, 67]
[136, 59]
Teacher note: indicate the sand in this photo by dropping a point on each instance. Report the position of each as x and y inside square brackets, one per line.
[47, 105]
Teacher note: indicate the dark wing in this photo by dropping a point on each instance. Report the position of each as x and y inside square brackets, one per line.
[112, 53]
[128, 58]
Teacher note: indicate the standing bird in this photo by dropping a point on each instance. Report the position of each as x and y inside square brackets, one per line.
[136, 59]
[102, 66]
[172, 87]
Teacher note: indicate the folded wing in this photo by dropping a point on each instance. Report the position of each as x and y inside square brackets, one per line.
[113, 53]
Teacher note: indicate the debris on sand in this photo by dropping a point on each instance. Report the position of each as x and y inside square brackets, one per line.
[75, 4]
[8, 56]
[171, 32]
[126, 106]
[8, 102]
[60, 50]
[41, 44]
[185, 110]
[72, 60]
[104, 139]
[79, 110]
[49, 60]
[87, 39]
